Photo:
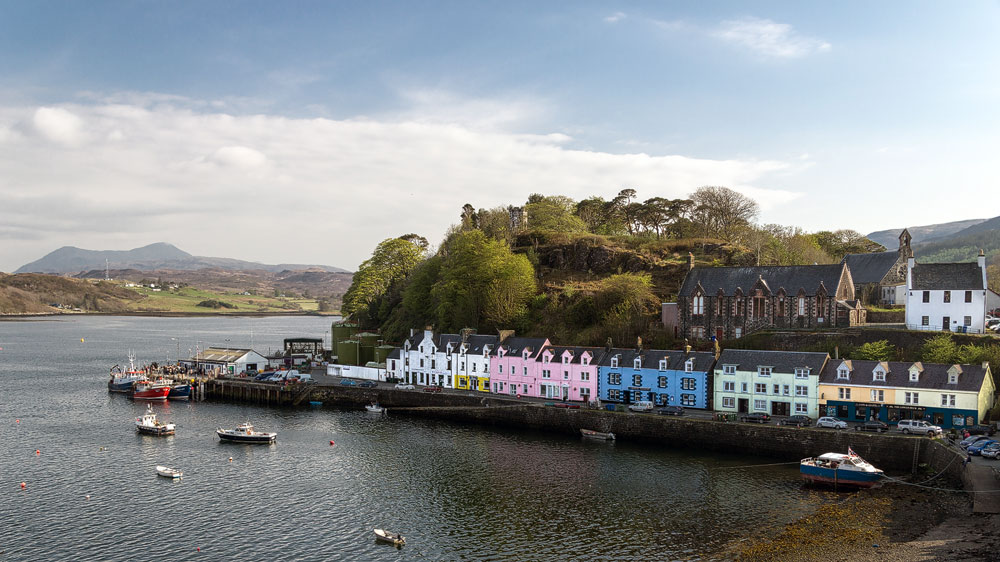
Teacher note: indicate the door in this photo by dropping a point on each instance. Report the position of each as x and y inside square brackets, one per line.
[743, 406]
[946, 324]
[718, 334]
[780, 408]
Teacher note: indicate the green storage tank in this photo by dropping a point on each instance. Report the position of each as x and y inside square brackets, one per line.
[343, 331]
[382, 353]
[347, 352]
[368, 342]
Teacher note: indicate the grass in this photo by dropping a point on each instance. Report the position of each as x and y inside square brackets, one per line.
[185, 300]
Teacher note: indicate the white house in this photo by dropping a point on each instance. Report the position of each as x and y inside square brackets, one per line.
[947, 296]
[427, 358]
[470, 360]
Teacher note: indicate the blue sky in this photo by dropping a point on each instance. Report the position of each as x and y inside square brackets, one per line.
[208, 124]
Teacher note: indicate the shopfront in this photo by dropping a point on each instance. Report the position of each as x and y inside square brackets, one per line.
[946, 418]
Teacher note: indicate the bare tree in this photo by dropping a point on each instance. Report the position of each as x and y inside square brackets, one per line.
[723, 211]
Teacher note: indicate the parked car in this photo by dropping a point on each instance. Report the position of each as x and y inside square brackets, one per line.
[756, 417]
[263, 375]
[402, 386]
[671, 411]
[641, 406]
[348, 382]
[978, 446]
[829, 421]
[798, 420]
[991, 451]
[877, 426]
[433, 389]
[972, 439]
[981, 429]
[919, 427]
[368, 384]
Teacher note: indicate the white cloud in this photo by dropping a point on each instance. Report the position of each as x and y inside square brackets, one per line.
[275, 189]
[615, 17]
[769, 38]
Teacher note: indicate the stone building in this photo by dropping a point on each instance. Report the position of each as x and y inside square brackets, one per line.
[880, 277]
[731, 302]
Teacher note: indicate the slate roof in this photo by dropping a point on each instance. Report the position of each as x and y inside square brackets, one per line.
[558, 350]
[870, 268]
[515, 346]
[933, 377]
[947, 276]
[650, 359]
[779, 361]
[396, 353]
[476, 342]
[790, 277]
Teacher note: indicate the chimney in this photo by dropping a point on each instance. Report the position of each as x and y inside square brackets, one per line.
[690, 261]
[687, 347]
[836, 352]
[638, 344]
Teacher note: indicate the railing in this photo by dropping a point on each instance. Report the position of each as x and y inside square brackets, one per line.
[953, 329]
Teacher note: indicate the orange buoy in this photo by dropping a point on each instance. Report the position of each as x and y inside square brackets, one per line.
[18, 420]
[230, 459]
[23, 485]
[37, 452]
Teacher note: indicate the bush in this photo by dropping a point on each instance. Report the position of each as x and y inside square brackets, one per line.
[213, 303]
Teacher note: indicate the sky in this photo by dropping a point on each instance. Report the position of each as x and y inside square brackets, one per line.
[308, 132]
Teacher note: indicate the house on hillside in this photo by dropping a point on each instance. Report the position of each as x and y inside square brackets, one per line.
[779, 383]
[731, 302]
[945, 395]
[674, 378]
[880, 277]
[947, 296]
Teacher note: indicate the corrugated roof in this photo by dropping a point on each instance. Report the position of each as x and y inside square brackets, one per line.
[790, 277]
[933, 377]
[779, 361]
[220, 354]
[870, 268]
[947, 276]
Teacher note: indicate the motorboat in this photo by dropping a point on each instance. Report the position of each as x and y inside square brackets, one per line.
[394, 539]
[375, 408]
[149, 425]
[839, 469]
[245, 433]
[180, 392]
[597, 434]
[168, 472]
[151, 390]
[122, 380]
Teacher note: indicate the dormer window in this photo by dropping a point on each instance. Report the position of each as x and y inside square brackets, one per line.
[729, 369]
[878, 375]
[952, 378]
[524, 354]
[801, 372]
[565, 359]
[763, 371]
[914, 375]
[843, 373]
[614, 362]
[663, 364]
[546, 358]
[585, 360]
[637, 363]
[689, 365]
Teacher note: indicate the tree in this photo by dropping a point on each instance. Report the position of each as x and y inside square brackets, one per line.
[468, 217]
[495, 223]
[626, 303]
[875, 351]
[939, 349]
[838, 243]
[723, 211]
[553, 213]
[391, 261]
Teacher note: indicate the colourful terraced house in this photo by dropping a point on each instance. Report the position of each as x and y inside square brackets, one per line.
[470, 359]
[779, 383]
[568, 373]
[950, 396]
[514, 366]
[675, 378]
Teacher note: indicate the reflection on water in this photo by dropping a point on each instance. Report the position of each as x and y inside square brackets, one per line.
[457, 493]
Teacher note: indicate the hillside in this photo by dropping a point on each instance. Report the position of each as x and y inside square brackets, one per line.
[920, 234]
[72, 260]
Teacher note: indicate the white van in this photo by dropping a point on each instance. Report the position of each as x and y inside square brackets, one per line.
[641, 406]
[919, 427]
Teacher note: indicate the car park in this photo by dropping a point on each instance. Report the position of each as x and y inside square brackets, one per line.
[919, 427]
[671, 411]
[972, 439]
[991, 451]
[348, 382]
[798, 420]
[756, 417]
[829, 421]
[978, 446]
[368, 384]
[873, 425]
[403, 386]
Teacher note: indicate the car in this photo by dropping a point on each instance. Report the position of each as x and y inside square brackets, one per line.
[348, 382]
[829, 421]
[368, 384]
[991, 451]
[263, 375]
[403, 386]
[977, 447]
[873, 425]
[641, 406]
[756, 417]
[433, 389]
[981, 429]
[972, 439]
[671, 411]
[918, 427]
[798, 420]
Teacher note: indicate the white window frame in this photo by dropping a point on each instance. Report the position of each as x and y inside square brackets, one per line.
[801, 408]
[844, 393]
[802, 390]
[728, 401]
[728, 386]
[801, 373]
[763, 371]
[760, 405]
[729, 369]
[878, 395]
[948, 400]
[760, 388]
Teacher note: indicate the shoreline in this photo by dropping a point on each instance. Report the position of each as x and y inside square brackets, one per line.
[161, 314]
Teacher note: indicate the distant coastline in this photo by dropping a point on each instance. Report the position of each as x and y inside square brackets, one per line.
[162, 314]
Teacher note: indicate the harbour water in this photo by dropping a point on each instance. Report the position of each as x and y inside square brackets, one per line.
[455, 492]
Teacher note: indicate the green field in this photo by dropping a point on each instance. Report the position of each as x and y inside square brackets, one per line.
[186, 299]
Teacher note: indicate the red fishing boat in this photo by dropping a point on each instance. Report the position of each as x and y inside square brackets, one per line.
[151, 390]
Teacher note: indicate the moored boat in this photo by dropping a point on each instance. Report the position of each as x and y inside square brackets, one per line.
[180, 392]
[151, 390]
[168, 472]
[375, 408]
[389, 537]
[123, 380]
[149, 425]
[245, 433]
[839, 469]
[597, 434]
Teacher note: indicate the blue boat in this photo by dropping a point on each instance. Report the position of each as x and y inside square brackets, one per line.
[838, 469]
[180, 392]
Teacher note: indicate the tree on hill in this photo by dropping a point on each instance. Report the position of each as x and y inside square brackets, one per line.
[839, 243]
[879, 350]
[391, 261]
[722, 211]
[555, 213]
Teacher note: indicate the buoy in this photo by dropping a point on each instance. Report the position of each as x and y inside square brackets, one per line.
[331, 442]
[81, 339]
[230, 459]
[18, 421]
[23, 485]
[37, 452]
[87, 496]
[199, 549]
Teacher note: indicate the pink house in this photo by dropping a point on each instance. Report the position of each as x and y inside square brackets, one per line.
[514, 368]
[568, 373]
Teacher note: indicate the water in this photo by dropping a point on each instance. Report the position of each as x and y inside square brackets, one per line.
[455, 492]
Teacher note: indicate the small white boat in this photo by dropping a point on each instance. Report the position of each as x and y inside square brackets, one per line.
[375, 408]
[168, 472]
[149, 425]
[392, 538]
[597, 434]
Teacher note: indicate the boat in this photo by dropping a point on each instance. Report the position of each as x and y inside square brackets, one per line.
[122, 380]
[597, 434]
[167, 472]
[151, 390]
[375, 408]
[839, 469]
[180, 392]
[245, 433]
[149, 425]
[395, 539]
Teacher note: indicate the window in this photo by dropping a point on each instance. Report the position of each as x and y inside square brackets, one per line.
[925, 321]
[820, 307]
[842, 373]
[914, 375]
[967, 321]
[585, 375]
[500, 369]
[687, 400]
[513, 389]
[689, 365]
[546, 374]
[698, 304]
[728, 402]
[801, 372]
[565, 375]
[729, 386]
[879, 375]
[546, 358]
[661, 382]
[421, 362]
[760, 388]
[952, 378]
[802, 306]
[614, 378]
[433, 363]
[968, 296]
[565, 359]
[760, 405]
[663, 364]
[524, 388]
[585, 360]
[637, 363]
[764, 371]
[737, 332]
[784, 390]
[473, 367]
[777, 389]
[663, 398]
[525, 371]
[801, 408]
[744, 387]
[614, 394]
[585, 392]
[636, 380]
[688, 384]
[844, 393]
[947, 296]
[911, 397]
[697, 332]
[729, 369]
[461, 365]
[718, 306]
[801, 390]
[781, 307]
[878, 396]
[739, 307]
[614, 362]
[927, 296]
[948, 400]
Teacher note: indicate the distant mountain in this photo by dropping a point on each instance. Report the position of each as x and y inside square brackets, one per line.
[963, 245]
[921, 234]
[159, 256]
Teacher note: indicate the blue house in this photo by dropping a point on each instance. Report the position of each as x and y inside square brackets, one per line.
[676, 378]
